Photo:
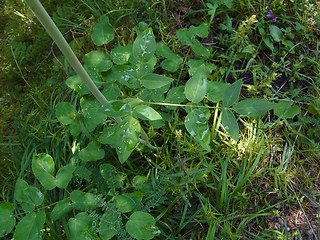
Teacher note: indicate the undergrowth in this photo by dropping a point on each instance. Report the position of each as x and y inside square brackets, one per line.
[219, 128]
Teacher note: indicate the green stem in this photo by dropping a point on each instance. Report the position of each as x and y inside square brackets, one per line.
[61, 42]
[58, 38]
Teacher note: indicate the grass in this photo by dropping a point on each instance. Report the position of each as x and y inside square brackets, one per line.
[264, 186]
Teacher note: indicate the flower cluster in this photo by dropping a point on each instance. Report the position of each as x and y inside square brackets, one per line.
[271, 15]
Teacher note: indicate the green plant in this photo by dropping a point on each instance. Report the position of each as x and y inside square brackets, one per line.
[71, 184]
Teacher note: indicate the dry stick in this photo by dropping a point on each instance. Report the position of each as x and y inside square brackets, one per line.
[58, 38]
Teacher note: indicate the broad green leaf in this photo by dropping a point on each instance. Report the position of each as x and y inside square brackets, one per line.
[142, 184]
[111, 91]
[230, 123]
[163, 50]
[75, 83]
[95, 77]
[60, 209]
[216, 91]
[173, 61]
[126, 75]
[43, 168]
[117, 109]
[185, 37]
[127, 201]
[171, 65]
[144, 46]
[153, 81]
[121, 54]
[194, 65]
[268, 42]
[93, 113]
[7, 220]
[76, 127]
[285, 110]
[142, 68]
[253, 107]
[98, 60]
[64, 175]
[141, 225]
[30, 226]
[113, 179]
[83, 201]
[199, 49]
[147, 112]
[196, 124]
[82, 227]
[232, 93]
[65, 113]
[201, 31]
[102, 32]
[107, 224]
[157, 95]
[175, 95]
[196, 87]
[92, 152]
[123, 137]
[28, 196]
[276, 33]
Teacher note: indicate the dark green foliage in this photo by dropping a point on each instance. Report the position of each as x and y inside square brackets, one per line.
[229, 97]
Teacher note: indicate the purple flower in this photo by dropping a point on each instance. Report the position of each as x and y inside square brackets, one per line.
[271, 15]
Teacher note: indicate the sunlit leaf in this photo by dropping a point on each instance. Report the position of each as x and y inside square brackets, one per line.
[196, 123]
[196, 87]
[253, 107]
[102, 32]
[194, 65]
[286, 110]
[121, 54]
[98, 60]
[175, 95]
[144, 46]
[123, 137]
[117, 109]
[111, 91]
[43, 168]
[216, 91]
[230, 123]
[199, 49]
[65, 112]
[75, 83]
[147, 112]
[93, 113]
[201, 31]
[232, 93]
[153, 81]
[126, 75]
